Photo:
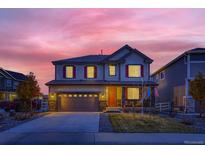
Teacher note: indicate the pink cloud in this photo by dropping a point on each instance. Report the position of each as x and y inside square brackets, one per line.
[31, 38]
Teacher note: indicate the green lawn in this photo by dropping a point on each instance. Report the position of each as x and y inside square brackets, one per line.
[132, 122]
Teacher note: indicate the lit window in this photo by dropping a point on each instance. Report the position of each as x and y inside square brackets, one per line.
[69, 72]
[133, 93]
[112, 69]
[134, 71]
[90, 72]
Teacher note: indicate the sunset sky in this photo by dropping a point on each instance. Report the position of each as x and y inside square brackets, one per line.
[31, 38]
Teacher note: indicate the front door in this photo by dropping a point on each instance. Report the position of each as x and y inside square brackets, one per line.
[112, 96]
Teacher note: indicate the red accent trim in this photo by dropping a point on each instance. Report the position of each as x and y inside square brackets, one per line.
[125, 92]
[85, 72]
[142, 71]
[95, 71]
[74, 72]
[64, 71]
[126, 71]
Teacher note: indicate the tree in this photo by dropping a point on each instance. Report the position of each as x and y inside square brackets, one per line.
[27, 90]
[197, 89]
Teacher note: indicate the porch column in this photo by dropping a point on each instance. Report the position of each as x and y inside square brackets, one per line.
[152, 97]
[123, 96]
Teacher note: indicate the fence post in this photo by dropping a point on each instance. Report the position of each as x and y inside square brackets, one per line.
[160, 107]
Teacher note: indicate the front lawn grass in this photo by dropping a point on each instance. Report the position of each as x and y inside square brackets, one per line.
[133, 123]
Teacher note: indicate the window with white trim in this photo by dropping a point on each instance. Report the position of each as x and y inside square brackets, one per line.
[90, 72]
[69, 72]
[133, 93]
[134, 70]
[112, 70]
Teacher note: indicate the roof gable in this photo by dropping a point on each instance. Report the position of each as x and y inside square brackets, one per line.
[117, 56]
[192, 51]
[12, 75]
[125, 51]
[16, 75]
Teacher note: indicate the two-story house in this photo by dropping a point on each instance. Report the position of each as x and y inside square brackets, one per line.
[9, 81]
[173, 80]
[83, 83]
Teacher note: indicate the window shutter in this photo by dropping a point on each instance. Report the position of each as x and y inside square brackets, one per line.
[74, 72]
[85, 72]
[125, 92]
[126, 71]
[95, 71]
[64, 71]
[142, 71]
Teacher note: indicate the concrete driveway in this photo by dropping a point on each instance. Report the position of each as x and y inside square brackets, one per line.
[62, 122]
[54, 123]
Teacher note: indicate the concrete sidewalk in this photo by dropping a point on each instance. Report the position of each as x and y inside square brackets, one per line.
[53, 138]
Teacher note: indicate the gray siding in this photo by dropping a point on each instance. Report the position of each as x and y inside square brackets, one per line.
[112, 78]
[119, 55]
[103, 74]
[175, 75]
[134, 59]
[79, 72]
[195, 68]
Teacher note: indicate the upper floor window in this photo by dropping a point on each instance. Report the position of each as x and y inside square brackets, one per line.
[112, 70]
[134, 70]
[8, 83]
[133, 93]
[69, 72]
[162, 75]
[90, 72]
[15, 85]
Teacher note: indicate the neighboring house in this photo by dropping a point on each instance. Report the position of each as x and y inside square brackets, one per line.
[173, 80]
[87, 82]
[9, 81]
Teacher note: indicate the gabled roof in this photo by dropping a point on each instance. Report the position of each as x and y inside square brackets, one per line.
[14, 75]
[83, 59]
[103, 58]
[192, 51]
[131, 50]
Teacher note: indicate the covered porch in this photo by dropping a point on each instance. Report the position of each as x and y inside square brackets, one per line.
[128, 96]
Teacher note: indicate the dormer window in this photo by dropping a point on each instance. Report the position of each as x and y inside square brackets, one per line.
[133, 71]
[69, 72]
[112, 70]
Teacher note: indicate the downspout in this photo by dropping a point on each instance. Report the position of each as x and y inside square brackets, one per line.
[187, 81]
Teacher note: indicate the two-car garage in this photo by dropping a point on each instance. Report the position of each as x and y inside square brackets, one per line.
[78, 102]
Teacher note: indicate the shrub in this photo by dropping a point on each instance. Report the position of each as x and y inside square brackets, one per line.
[103, 105]
[22, 116]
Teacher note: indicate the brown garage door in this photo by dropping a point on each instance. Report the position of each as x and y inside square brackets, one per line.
[79, 103]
